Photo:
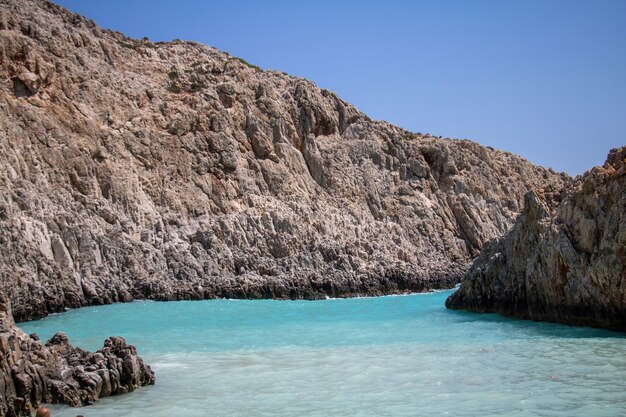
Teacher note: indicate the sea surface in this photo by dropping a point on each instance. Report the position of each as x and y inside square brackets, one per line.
[386, 356]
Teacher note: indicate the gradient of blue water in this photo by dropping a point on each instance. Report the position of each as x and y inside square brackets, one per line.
[386, 356]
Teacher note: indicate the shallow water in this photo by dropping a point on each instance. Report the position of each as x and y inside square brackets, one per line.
[386, 356]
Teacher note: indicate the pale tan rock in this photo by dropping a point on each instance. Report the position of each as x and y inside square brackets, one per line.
[176, 171]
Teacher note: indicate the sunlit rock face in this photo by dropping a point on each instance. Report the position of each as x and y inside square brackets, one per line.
[566, 265]
[131, 169]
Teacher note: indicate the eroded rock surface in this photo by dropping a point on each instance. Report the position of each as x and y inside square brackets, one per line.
[566, 265]
[32, 372]
[131, 169]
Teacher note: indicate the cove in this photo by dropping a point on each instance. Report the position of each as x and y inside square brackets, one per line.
[385, 356]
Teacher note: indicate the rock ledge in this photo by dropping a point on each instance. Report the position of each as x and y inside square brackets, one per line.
[566, 265]
[32, 373]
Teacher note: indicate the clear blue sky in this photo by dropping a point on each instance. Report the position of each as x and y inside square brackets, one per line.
[545, 79]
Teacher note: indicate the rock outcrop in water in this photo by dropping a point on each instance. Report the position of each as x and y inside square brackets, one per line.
[566, 265]
[131, 169]
[32, 372]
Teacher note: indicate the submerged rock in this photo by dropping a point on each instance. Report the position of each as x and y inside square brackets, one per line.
[566, 265]
[32, 372]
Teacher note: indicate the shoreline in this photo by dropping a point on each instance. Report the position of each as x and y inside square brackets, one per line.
[318, 297]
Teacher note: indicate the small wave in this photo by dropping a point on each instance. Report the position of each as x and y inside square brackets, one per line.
[408, 294]
[168, 365]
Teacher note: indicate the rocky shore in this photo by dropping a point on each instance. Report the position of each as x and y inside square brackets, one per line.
[566, 264]
[32, 372]
[132, 169]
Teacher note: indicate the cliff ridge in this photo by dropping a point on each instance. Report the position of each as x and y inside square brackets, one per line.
[132, 169]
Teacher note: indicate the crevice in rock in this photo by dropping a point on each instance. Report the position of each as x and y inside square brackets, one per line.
[20, 89]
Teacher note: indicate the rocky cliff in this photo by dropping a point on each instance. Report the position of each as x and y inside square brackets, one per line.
[132, 169]
[566, 265]
[32, 372]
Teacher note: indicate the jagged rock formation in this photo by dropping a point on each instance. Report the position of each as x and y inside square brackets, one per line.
[566, 265]
[175, 171]
[32, 373]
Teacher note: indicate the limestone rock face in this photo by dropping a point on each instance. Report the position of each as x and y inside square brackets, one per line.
[56, 372]
[566, 265]
[131, 169]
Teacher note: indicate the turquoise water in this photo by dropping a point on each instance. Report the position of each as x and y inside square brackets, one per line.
[387, 356]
